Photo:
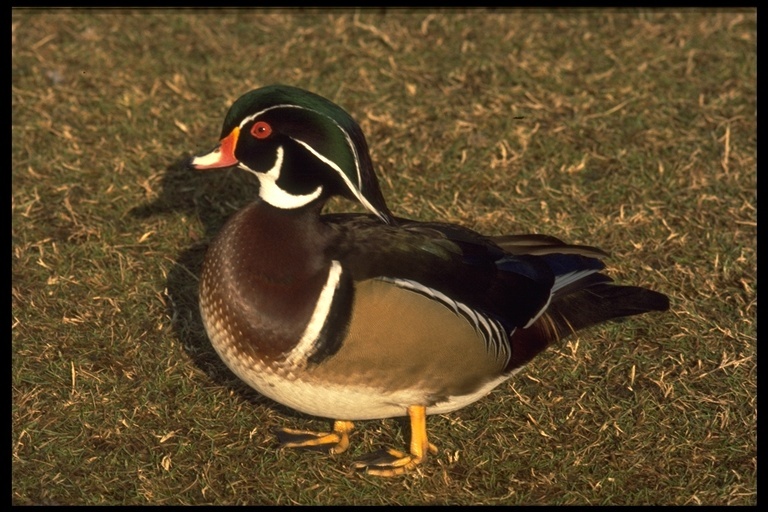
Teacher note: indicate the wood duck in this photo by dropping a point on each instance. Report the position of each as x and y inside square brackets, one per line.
[367, 316]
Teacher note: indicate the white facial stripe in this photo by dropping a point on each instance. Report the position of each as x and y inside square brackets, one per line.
[356, 189]
[271, 192]
[304, 348]
[338, 170]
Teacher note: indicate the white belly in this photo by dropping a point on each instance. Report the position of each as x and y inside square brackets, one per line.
[341, 402]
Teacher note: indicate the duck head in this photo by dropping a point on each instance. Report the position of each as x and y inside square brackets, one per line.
[302, 147]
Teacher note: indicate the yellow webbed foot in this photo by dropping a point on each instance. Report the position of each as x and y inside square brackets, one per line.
[336, 441]
[393, 462]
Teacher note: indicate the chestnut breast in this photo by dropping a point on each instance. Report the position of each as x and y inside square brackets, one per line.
[261, 279]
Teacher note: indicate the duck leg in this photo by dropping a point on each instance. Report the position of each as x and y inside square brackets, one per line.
[336, 441]
[393, 462]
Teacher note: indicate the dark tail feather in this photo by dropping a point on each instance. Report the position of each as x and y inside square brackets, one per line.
[599, 303]
[582, 304]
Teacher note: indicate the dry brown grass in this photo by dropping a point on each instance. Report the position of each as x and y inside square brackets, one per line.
[638, 135]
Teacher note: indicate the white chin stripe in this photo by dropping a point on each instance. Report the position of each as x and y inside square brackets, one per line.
[271, 192]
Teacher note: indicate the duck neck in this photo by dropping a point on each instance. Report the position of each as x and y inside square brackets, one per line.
[276, 244]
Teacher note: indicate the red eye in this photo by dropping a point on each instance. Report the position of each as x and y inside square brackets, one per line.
[261, 130]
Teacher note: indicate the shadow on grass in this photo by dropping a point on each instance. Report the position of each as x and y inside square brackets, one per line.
[212, 197]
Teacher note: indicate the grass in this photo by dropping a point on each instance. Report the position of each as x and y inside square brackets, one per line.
[638, 135]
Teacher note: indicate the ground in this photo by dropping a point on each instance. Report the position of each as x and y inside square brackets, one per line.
[630, 130]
